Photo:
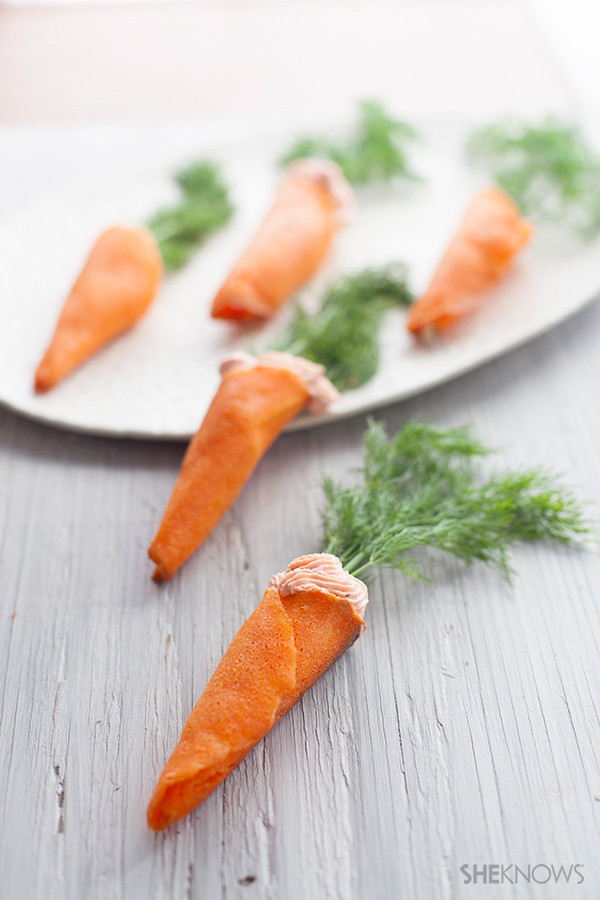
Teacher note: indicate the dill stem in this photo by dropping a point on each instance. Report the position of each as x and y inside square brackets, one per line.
[356, 572]
[353, 566]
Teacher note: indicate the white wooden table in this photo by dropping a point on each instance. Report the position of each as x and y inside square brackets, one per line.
[462, 728]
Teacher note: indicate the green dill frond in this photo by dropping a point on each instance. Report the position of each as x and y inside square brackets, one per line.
[548, 169]
[425, 487]
[343, 335]
[204, 207]
[377, 151]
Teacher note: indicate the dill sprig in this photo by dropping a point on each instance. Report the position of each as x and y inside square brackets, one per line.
[343, 335]
[204, 207]
[377, 151]
[549, 170]
[424, 487]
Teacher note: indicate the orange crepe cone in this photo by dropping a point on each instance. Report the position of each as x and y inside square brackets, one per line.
[290, 244]
[490, 235]
[115, 287]
[279, 653]
[250, 409]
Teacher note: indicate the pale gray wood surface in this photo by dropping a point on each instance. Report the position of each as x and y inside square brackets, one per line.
[462, 727]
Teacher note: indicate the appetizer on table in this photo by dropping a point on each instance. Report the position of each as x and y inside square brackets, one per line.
[478, 256]
[312, 202]
[255, 400]
[307, 617]
[422, 488]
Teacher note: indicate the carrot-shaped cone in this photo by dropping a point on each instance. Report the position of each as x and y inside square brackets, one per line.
[490, 235]
[256, 399]
[308, 616]
[294, 238]
[116, 286]
[423, 487]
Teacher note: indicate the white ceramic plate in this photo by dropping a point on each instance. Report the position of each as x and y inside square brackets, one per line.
[158, 380]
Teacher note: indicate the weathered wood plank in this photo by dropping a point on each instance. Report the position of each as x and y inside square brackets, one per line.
[462, 728]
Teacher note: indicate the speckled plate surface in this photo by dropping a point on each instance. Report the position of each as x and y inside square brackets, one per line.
[157, 381]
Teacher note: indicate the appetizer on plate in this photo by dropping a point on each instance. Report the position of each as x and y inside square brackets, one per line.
[548, 168]
[478, 256]
[422, 488]
[312, 202]
[124, 269]
[114, 289]
[255, 400]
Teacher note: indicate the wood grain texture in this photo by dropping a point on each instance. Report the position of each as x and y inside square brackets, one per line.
[462, 728]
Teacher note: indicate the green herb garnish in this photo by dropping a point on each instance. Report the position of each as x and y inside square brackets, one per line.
[425, 488]
[549, 170]
[343, 335]
[377, 151]
[205, 206]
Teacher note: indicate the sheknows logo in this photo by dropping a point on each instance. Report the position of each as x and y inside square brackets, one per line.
[496, 873]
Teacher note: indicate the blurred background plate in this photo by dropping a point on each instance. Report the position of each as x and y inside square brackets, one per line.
[158, 380]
